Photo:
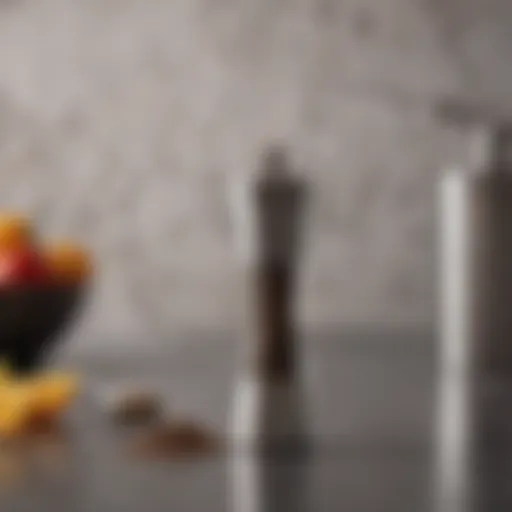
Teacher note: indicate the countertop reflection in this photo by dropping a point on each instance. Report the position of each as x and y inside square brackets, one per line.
[474, 443]
[389, 434]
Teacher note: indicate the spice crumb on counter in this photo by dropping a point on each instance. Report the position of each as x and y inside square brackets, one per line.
[135, 407]
[175, 439]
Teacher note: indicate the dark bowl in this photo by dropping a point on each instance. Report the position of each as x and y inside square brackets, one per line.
[32, 322]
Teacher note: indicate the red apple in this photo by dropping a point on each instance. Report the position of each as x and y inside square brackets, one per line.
[20, 267]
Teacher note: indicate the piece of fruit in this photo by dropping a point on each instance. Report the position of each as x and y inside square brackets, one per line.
[15, 231]
[31, 405]
[15, 409]
[67, 263]
[52, 394]
[20, 267]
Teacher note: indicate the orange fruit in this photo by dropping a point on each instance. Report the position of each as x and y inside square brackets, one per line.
[15, 231]
[67, 263]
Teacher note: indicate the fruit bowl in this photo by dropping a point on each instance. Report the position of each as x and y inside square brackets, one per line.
[32, 322]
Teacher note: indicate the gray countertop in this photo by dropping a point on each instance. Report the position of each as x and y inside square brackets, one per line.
[374, 417]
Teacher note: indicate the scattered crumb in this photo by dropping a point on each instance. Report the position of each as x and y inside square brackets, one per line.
[176, 439]
[136, 407]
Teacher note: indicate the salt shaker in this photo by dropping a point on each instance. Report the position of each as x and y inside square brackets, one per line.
[474, 445]
[476, 256]
[269, 410]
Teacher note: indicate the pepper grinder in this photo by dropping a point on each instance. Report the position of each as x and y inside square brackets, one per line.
[476, 256]
[268, 210]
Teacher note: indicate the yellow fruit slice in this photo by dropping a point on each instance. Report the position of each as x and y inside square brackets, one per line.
[24, 402]
[15, 409]
[52, 394]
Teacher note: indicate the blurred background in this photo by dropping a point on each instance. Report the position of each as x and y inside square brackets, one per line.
[122, 121]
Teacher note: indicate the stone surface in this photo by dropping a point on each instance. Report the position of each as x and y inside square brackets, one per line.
[371, 422]
[390, 432]
[122, 120]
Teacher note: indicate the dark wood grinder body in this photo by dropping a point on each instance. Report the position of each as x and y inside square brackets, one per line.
[280, 203]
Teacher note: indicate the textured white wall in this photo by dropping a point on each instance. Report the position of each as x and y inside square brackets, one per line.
[121, 119]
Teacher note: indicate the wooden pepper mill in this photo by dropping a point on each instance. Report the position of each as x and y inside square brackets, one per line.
[268, 408]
